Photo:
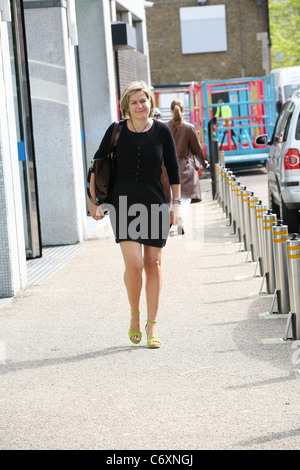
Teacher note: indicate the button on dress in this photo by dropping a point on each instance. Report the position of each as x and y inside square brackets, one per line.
[138, 205]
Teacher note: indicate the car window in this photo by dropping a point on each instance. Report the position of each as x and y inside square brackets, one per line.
[287, 126]
[277, 127]
[289, 89]
[297, 136]
[283, 122]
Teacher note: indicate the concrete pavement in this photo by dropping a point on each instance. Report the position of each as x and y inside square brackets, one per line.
[70, 378]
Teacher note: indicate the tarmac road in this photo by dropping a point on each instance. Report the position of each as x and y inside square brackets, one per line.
[70, 378]
[256, 180]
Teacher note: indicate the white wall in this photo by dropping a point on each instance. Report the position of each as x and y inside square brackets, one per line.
[56, 126]
[13, 274]
[96, 57]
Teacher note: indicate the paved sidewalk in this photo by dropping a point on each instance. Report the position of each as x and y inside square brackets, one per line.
[70, 378]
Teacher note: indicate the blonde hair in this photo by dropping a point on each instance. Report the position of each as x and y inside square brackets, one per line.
[132, 88]
[177, 108]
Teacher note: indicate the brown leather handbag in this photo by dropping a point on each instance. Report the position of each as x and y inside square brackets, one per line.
[104, 170]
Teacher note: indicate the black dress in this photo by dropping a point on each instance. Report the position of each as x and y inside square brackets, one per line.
[138, 205]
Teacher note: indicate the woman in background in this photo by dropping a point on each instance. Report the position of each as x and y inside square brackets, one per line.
[190, 156]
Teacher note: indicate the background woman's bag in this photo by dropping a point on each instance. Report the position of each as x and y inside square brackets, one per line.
[104, 170]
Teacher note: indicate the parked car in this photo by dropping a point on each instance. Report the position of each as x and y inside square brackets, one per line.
[284, 163]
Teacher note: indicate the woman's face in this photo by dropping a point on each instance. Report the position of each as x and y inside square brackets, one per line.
[139, 106]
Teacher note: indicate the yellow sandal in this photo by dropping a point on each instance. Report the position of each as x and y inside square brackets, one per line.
[153, 339]
[132, 333]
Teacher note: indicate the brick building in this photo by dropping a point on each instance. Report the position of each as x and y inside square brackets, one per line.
[193, 40]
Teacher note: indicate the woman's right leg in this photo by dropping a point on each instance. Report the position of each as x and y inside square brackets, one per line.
[134, 265]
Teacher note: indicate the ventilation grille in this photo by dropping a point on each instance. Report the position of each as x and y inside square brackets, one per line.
[53, 259]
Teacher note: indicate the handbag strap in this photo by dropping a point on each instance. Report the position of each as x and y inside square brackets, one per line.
[115, 135]
[118, 126]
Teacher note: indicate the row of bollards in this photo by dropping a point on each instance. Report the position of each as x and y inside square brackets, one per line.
[266, 240]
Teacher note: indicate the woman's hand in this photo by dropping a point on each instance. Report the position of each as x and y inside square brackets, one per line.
[175, 214]
[95, 211]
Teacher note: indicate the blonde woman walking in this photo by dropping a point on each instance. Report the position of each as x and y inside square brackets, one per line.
[141, 216]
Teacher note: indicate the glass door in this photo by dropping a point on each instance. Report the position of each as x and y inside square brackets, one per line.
[19, 67]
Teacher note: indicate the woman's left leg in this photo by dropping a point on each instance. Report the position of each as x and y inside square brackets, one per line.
[153, 283]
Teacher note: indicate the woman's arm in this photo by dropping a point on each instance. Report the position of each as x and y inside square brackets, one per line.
[196, 147]
[96, 211]
[175, 212]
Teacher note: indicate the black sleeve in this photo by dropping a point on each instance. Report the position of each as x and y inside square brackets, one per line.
[170, 156]
[104, 146]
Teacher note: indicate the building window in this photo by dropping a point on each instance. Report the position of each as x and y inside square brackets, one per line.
[203, 29]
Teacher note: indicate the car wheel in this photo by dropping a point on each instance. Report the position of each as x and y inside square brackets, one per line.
[290, 217]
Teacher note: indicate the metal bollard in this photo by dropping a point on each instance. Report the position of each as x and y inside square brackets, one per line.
[239, 211]
[252, 200]
[235, 191]
[220, 185]
[260, 210]
[220, 170]
[222, 157]
[293, 260]
[280, 236]
[246, 223]
[239, 196]
[269, 220]
[216, 178]
[253, 233]
[234, 187]
[232, 182]
[226, 205]
[220, 198]
[222, 175]
[230, 179]
[227, 196]
[217, 174]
